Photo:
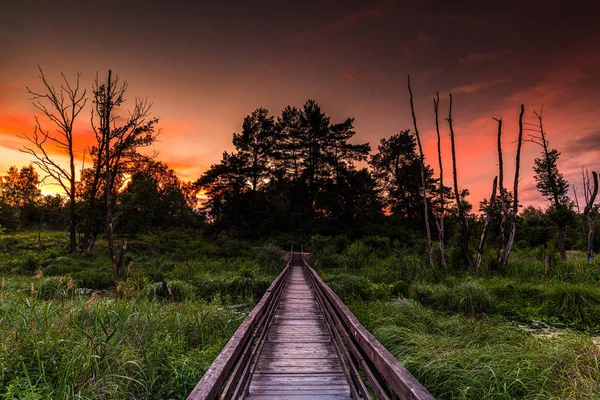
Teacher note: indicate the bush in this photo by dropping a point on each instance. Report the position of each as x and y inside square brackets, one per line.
[182, 291]
[438, 297]
[399, 288]
[228, 288]
[56, 288]
[574, 303]
[358, 255]
[97, 279]
[471, 299]
[351, 287]
[30, 262]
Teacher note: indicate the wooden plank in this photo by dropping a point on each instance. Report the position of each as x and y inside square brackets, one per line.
[295, 397]
[299, 358]
[401, 380]
[210, 385]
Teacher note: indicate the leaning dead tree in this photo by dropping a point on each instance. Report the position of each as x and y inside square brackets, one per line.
[61, 106]
[488, 219]
[423, 181]
[465, 235]
[504, 210]
[515, 205]
[118, 144]
[590, 190]
[440, 216]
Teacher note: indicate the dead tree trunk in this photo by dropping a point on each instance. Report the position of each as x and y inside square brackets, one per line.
[440, 219]
[555, 190]
[590, 196]
[120, 147]
[423, 182]
[109, 179]
[488, 219]
[60, 106]
[515, 207]
[502, 194]
[461, 213]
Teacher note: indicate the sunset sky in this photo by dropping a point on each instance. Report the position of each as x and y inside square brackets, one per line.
[207, 64]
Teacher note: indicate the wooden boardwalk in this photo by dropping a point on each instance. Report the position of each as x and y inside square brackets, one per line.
[299, 359]
[301, 342]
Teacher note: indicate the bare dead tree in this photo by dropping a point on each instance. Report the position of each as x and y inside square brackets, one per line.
[119, 143]
[60, 106]
[461, 212]
[423, 181]
[440, 216]
[590, 192]
[97, 153]
[515, 205]
[504, 212]
[550, 182]
[574, 189]
[488, 219]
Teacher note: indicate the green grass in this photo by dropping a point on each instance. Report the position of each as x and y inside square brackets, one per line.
[523, 334]
[89, 347]
[456, 357]
[66, 332]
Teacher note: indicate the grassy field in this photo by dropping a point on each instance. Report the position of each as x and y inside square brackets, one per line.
[523, 334]
[67, 332]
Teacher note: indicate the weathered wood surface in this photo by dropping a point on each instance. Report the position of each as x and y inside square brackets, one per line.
[394, 374]
[302, 342]
[213, 380]
[299, 359]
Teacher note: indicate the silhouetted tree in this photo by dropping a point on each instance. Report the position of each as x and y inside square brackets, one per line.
[440, 214]
[60, 106]
[255, 145]
[590, 191]
[423, 181]
[153, 198]
[118, 145]
[552, 184]
[19, 190]
[515, 200]
[462, 216]
[397, 168]
[485, 227]
[503, 200]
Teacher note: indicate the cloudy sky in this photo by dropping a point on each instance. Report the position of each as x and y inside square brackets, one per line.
[207, 64]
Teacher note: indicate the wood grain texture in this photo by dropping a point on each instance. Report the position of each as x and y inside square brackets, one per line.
[302, 342]
[299, 359]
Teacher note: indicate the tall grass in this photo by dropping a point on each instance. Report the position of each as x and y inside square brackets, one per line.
[93, 347]
[456, 357]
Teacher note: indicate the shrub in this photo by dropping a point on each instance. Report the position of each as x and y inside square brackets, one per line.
[56, 288]
[182, 291]
[229, 288]
[98, 279]
[358, 255]
[574, 303]
[350, 287]
[471, 299]
[399, 288]
[248, 270]
[30, 262]
[438, 297]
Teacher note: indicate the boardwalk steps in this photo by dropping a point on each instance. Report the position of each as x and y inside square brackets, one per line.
[301, 342]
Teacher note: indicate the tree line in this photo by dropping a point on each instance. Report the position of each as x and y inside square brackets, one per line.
[297, 173]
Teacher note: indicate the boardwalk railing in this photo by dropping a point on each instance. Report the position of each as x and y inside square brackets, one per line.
[369, 368]
[386, 376]
[228, 376]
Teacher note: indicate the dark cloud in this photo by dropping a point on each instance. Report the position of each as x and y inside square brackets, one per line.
[588, 142]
